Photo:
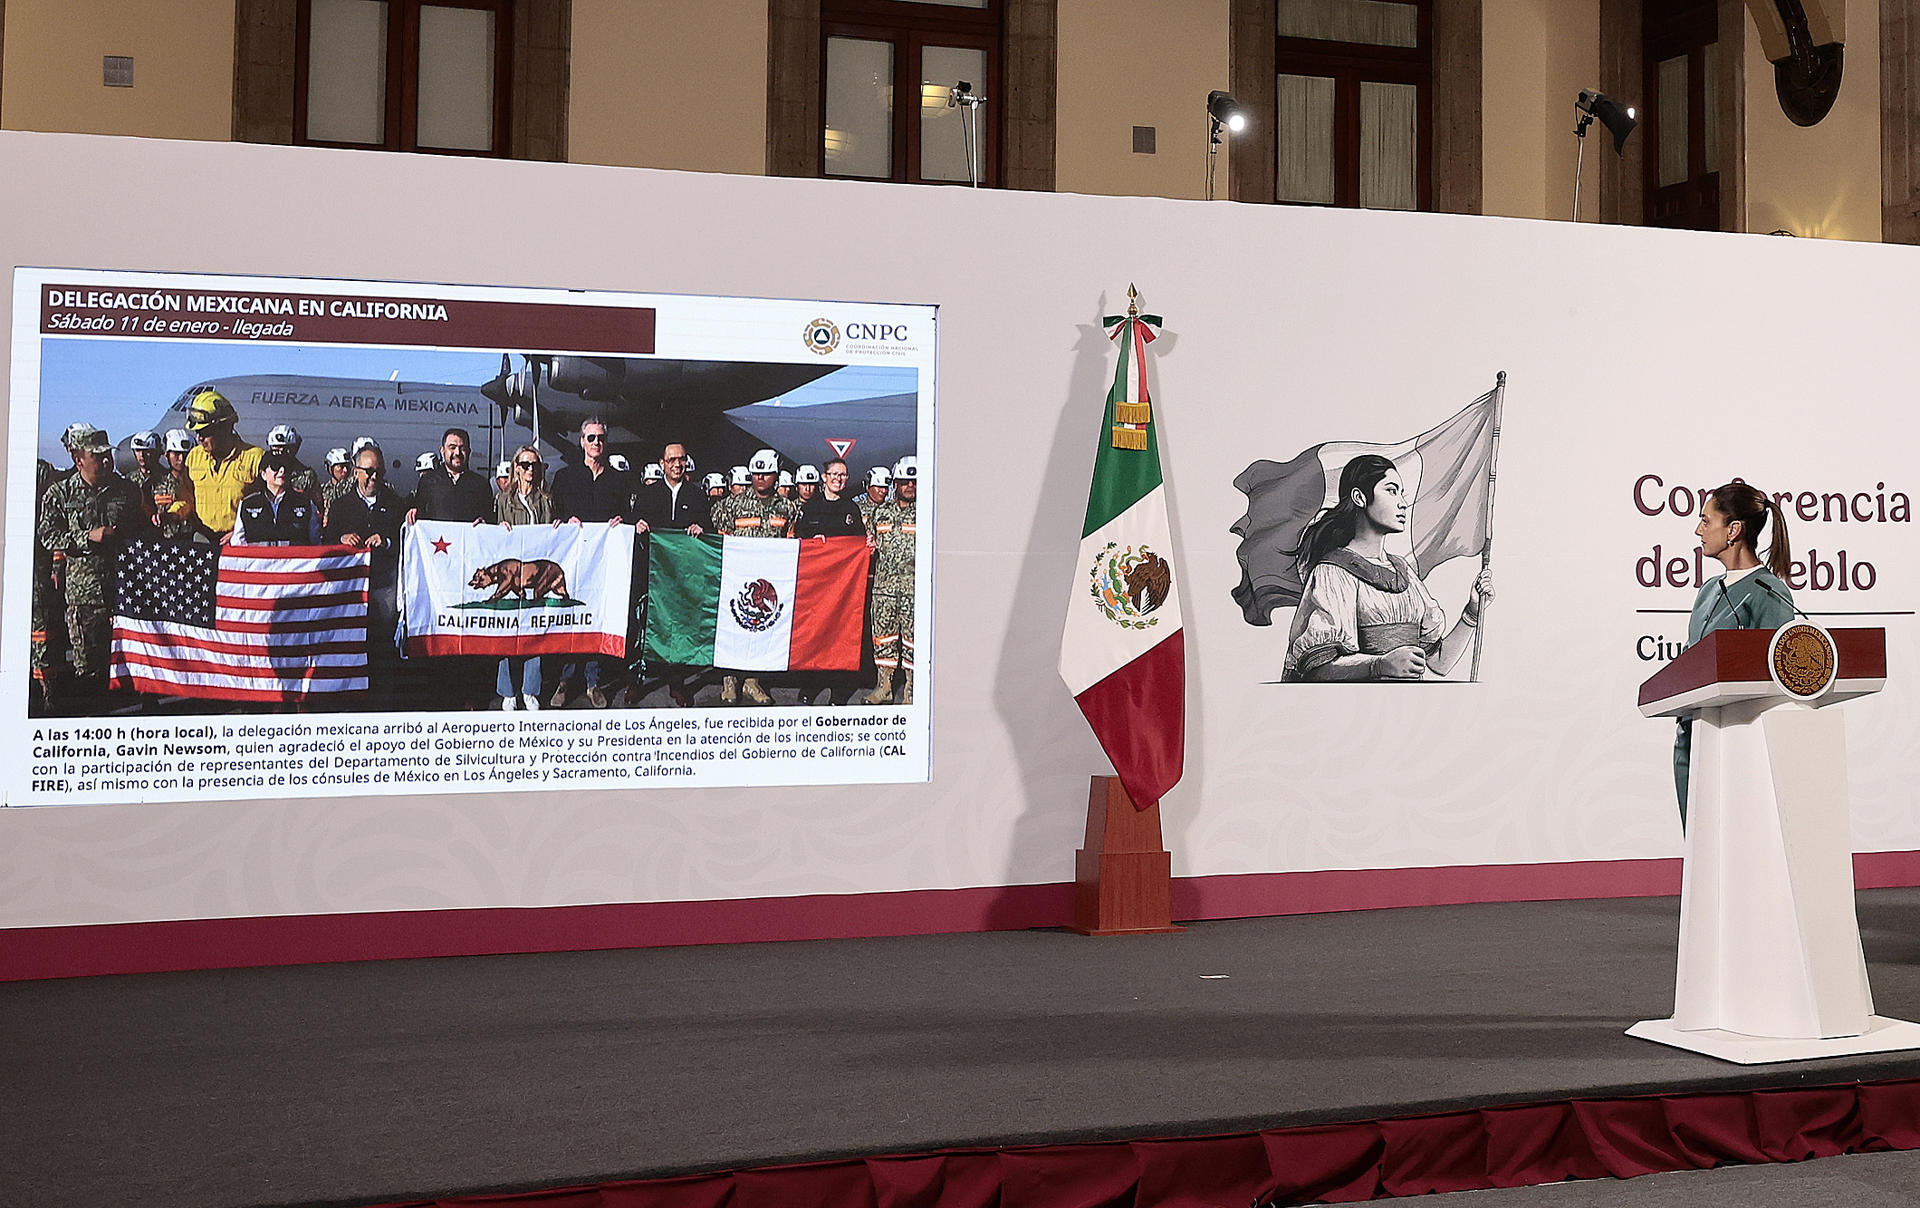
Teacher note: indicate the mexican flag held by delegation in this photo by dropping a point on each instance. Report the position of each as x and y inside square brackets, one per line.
[750, 604]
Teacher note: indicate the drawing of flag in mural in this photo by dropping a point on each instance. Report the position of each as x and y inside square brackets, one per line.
[1448, 471]
[240, 622]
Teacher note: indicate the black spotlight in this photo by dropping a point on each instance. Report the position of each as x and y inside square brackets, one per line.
[1225, 111]
[1617, 118]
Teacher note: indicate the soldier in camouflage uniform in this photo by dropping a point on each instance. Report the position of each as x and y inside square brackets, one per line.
[757, 512]
[339, 480]
[49, 653]
[876, 494]
[285, 438]
[86, 517]
[895, 530]
[178, 520]
[169, 497]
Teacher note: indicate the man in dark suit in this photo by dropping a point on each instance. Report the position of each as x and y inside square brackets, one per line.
[369, 517]
[675, 504]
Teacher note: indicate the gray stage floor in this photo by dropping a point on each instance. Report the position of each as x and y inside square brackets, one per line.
[388, 1080]
[1865, 1180]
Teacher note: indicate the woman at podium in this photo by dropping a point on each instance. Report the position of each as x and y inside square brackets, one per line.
[1365, 614]
[1749, 595]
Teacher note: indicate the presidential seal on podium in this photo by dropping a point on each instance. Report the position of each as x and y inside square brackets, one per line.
[1801, 660]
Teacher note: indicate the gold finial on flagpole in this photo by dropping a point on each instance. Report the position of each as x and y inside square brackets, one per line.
[1131, 418]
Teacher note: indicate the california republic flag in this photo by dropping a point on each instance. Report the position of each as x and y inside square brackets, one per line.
[532, 589]
[1123, 654]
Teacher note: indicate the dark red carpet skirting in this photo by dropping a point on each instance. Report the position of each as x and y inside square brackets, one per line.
[1508, 1146]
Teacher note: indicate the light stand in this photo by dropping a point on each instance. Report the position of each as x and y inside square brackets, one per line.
[962, 94]
[1619, 121]
[1223, 112]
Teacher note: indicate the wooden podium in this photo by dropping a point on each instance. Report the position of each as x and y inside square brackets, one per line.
[1123, 877]
[1770, 966]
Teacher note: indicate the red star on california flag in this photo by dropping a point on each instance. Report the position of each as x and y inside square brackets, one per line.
[440, 545]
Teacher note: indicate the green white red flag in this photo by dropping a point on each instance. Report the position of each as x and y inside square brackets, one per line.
[756, 603]
[1123, 654]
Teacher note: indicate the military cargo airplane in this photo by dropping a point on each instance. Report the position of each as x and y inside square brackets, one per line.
[721, 410]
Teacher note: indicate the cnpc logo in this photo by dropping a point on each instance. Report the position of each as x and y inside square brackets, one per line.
[896, 332]
[822, 337]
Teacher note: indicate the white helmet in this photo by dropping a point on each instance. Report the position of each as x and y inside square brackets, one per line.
[907, 468]
[878, 477]
[503, 470]
[362, 443]
[423, 463]
[766, 461]
[786, 479]
[179, 440]
[806, 474]
[741, 478]
[689, 463]
[144, 442]
[284, 436]
[713, 481]
[619, 461]
[653, 472]
[338, 457]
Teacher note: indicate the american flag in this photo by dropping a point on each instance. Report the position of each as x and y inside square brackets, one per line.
[240, 622]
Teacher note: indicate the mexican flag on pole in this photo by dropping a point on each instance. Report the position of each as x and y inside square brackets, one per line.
[756, 603]
[1123, 655]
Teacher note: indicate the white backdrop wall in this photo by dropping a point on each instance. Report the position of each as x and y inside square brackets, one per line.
[1629, 353]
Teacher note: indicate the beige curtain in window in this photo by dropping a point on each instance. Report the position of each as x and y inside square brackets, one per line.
[1303, 136]
[1389, 146]
[1373, 22]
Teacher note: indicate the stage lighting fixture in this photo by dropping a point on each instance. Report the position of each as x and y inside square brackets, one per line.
[1617, 118]
[1225, 111]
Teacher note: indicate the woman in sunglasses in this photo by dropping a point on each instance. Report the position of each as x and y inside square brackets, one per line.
[524, 500]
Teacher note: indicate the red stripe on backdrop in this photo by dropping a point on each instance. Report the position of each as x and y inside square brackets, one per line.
[545, 643]
[829, 604]
[1139, 714]
[146, 947]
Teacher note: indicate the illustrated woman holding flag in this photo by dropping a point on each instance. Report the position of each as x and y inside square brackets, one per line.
[1365, 614]
[1749, 595]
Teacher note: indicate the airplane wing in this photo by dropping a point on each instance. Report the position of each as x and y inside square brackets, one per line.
[866, 432]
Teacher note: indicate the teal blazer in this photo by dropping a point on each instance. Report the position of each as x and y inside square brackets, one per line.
[1758, 601]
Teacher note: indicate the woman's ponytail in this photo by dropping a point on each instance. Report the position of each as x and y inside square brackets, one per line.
[1779, 551]
[1753, 509]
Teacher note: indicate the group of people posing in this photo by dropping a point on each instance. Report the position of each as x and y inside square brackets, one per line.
[818, 502]
[207, 483]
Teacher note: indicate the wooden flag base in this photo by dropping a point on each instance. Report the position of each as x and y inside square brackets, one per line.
[1123, 877]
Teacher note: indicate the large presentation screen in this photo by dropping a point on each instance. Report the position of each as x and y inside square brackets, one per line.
[282, 538]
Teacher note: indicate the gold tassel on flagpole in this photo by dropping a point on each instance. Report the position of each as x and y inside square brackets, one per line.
[1130, 438]
[1132, 413]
